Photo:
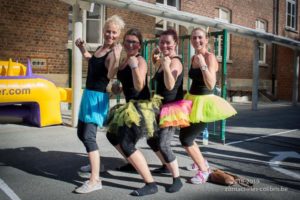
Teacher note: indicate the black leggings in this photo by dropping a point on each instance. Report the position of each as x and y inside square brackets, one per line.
[86, 132]
[188, 135]
[126, 138]
[162, 142]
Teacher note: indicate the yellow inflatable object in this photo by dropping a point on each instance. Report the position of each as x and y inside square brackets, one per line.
[31, 97]
[10, 68]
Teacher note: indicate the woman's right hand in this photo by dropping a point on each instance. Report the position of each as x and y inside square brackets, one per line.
[116, 88]
[79, 43]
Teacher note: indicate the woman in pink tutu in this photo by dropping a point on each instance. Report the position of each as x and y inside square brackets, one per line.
[175, 111]
[207, 107]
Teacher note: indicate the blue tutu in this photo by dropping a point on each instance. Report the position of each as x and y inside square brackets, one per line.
[94, 107]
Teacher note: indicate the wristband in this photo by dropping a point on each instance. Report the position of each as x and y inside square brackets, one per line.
[204, 68]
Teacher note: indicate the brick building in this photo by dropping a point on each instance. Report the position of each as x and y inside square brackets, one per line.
[42, 30]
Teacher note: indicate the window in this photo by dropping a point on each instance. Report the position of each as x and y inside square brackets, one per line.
[261, 25]
[224, 16]
[92, 26]
[291, 13]
[162, 24]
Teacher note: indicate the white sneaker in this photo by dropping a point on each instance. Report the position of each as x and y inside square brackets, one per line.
[86, 168]
[87, 188]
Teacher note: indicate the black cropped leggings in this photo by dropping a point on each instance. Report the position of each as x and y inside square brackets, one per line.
[162, 142]
[87, 132]
[126, 138]
[188, 135]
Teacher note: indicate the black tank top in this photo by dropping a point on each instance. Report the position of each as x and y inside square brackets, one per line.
[97, 74]
[169, 95]
[198, 86]
[125, 76]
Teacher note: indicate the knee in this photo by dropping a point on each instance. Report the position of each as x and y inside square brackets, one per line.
[166, 151]
[152, 142]
[185, 141]
[128, 148]
[112, 138]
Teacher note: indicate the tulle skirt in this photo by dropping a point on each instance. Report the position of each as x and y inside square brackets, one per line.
[175, 114]
[209, 108]
[94, 107]
[142, 113]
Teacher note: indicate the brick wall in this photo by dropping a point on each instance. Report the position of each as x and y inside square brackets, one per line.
[285, 57]
[36, 29]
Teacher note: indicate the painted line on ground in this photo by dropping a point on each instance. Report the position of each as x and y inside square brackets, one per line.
[277, 160]
[9, 192]
[235, 158]
[259, 137]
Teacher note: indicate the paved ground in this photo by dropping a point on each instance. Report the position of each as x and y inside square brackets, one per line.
[262, 146]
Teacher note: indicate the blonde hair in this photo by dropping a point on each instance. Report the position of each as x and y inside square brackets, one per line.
[116, 20]
[201, 29]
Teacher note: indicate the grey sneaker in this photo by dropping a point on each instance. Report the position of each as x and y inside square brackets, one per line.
[87, 188]
[86, 168]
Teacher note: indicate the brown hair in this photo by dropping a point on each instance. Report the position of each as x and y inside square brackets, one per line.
[171, 32]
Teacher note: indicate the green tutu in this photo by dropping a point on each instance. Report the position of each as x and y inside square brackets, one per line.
[209, 108]
[142, 113]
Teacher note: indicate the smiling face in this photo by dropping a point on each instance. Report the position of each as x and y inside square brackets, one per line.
[199, 40]
[167, 45]
[131, 45]
[111, 33]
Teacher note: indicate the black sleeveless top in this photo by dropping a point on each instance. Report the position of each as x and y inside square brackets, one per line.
[169, 95]
[97, 74]
[198, 86]
[125, 76]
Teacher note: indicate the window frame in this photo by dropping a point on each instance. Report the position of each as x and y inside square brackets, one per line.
[219, 52]
[165, 22]
[90, 46]
[262, 46]
[293, 16]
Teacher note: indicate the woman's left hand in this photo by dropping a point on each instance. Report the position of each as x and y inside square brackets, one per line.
[199, 61]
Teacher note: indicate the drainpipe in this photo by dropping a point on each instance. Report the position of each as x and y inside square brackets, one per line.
[76, 64]
[274, 46]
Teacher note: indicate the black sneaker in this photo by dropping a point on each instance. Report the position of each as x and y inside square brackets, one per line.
[126, 168]
[161, 170]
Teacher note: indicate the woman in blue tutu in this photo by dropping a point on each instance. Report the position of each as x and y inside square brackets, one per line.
[95, 99]
[207, 107]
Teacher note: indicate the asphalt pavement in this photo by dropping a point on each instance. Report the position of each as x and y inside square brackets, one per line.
[261, 146]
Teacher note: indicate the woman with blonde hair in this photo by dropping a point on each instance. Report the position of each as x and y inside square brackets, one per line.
[207, 107]
[95, 99]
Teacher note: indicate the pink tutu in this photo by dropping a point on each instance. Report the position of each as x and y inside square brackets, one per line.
[175, 114]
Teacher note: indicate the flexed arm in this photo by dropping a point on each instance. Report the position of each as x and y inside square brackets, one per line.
[114, 60]
[81, 45]
[209, 67]
[172, 68]
[139, 72]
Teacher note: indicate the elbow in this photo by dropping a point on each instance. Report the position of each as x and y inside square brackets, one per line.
[138, 88]
[109, 76]
[169, 88]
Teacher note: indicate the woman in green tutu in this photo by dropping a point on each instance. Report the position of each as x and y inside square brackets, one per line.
[137, 118]
[207, 107]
